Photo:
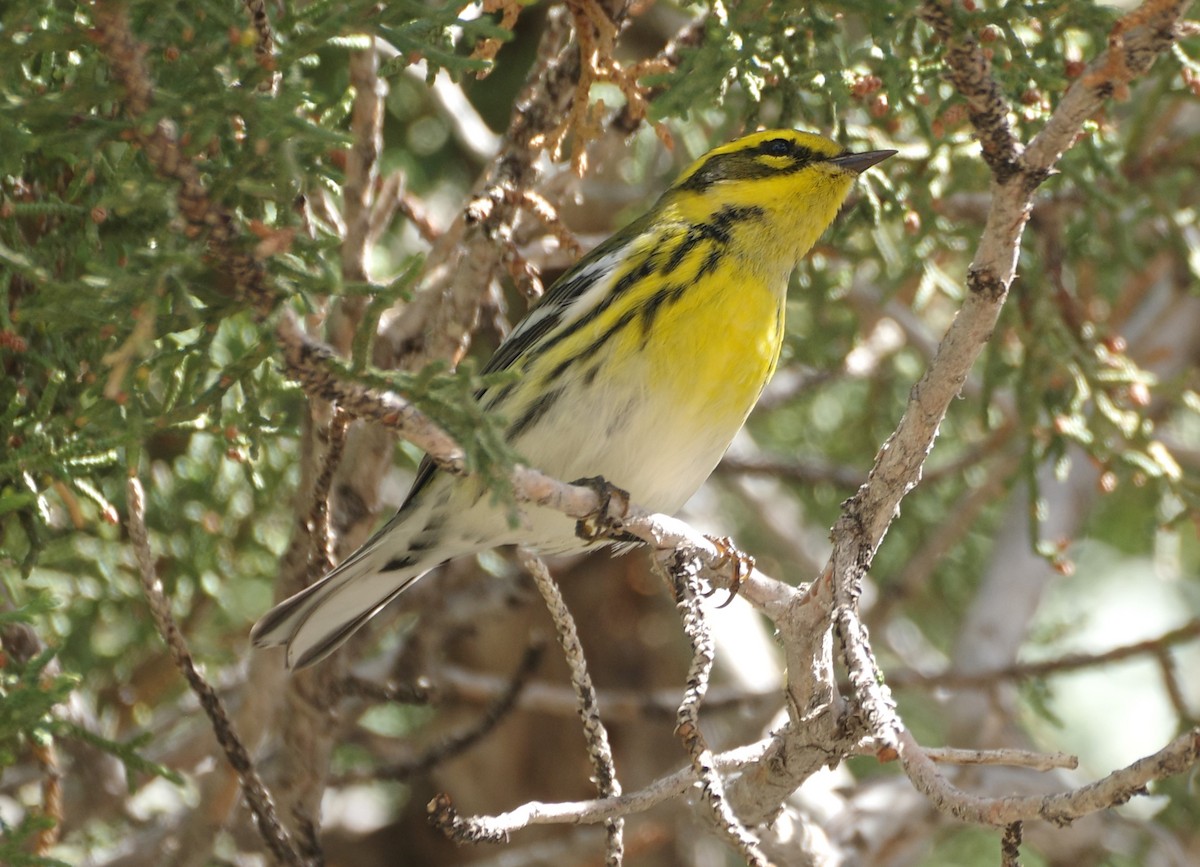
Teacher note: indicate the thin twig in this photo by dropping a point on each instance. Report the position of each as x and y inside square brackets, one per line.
[1117, 788]
[1008, 757]
[46, 755]
[322, 558]
[596, 735]
[362, 160]
[457, 684]
[421, 692]
[970, 69]
[274, 834]
[393, 198]
[497, 828]
[264, 46]
[806, 471]
[1189, 631]
[458, 742]
[684, 580]
[1168, 668]
[1010, 846]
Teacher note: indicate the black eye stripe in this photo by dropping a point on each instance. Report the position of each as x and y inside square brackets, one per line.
[746, 164]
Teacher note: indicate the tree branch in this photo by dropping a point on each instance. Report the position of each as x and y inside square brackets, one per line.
[1117, 788]
[273, 833]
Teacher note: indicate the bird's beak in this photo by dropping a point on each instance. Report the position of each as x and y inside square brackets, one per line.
[861, 162]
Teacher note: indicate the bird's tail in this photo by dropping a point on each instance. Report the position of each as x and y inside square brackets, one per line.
[317, 620]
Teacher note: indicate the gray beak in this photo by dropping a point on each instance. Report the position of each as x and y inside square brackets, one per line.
[861, 162]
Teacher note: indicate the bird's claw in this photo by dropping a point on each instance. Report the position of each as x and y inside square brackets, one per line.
[603, 523]
[743, 565]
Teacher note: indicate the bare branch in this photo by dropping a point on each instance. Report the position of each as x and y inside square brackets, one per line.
[274, 834]
[264, 46]
[685, 585]
[497, 828]
[1009, 757]
[1118, 787]
[456, 743]
[362, 161]
[866, 516]
[596, 735]
[321, 558]
[1154, 647]
[1134, 43]
[971, 71]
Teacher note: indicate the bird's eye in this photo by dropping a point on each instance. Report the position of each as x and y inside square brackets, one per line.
[777, 147]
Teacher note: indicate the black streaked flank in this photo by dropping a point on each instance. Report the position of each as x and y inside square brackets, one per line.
[665, 296]
[685, 246]
[631, 278]
[423, 542]
[398, 563]
[528, 418]
[650, 312]
[511, 349]
[711, 261]
[718, 230]
[562, 367]
[595, 346]
[515, 346]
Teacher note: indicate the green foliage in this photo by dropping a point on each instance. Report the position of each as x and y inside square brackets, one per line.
[136, 765]
[449, 397]
[29, 695]
[123, 346]
[16, 842]
[30, 692]
[146, 342]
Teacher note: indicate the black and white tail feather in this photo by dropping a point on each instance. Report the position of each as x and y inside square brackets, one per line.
[319, 619]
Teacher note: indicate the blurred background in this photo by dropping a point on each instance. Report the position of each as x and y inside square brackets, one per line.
[1039, 589]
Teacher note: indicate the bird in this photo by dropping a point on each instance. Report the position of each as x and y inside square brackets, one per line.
[638, 366]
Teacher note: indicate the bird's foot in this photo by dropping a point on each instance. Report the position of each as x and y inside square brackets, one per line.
[730, 554]
[604, 523]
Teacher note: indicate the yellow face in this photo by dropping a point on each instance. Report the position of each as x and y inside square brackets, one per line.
[784, 187]
[773, 153]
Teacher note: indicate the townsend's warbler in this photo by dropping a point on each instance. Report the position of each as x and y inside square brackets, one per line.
[639, 365]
